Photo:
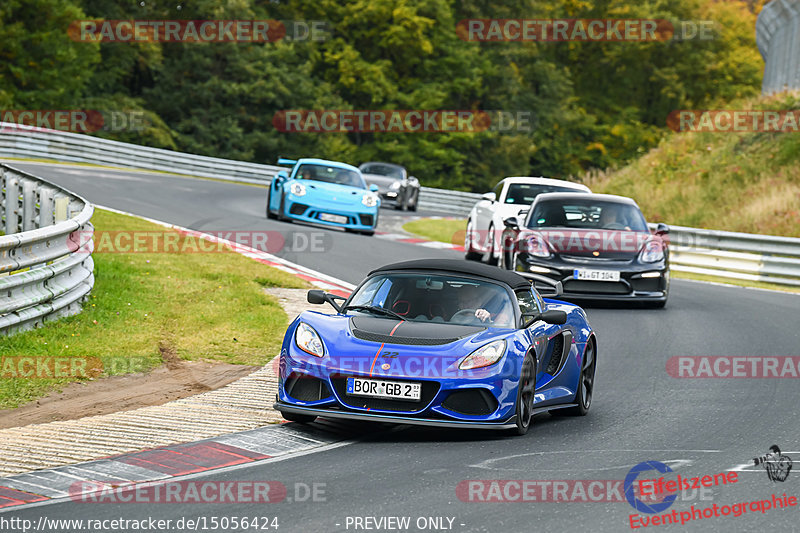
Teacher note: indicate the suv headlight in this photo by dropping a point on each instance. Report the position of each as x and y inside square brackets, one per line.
[652, 251]
[308, 340]
[486, 355]
[369, 200]
[298, 189]
[537, 247]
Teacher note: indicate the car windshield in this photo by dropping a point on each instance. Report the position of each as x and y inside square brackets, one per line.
[437, 298]
[330, 174]
[586, 214]
[383, 169]
[526, 193]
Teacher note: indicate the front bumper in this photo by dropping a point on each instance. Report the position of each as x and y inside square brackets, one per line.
[361, 218]
[393, 419]
[631, 286]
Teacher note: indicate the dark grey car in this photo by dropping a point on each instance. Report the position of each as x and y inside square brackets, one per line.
[395, 186]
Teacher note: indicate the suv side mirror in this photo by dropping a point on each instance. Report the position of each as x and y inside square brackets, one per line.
[373, 188]
[317, 297]
[282, 174]
[662, 229]
[511, 223]
[489, 197]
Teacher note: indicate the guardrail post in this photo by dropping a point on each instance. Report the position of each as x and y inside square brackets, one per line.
[28, 205]
[61, 205]
[46, 206]
[12, 204]
[2, 194]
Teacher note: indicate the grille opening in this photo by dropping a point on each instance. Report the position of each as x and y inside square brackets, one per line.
[556, 351]
[471, 402]
[306, 388]
[298, 209]
[366, 220]
[647, 284]
[596, 287]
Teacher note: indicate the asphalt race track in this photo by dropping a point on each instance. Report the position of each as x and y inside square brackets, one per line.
[639, 412]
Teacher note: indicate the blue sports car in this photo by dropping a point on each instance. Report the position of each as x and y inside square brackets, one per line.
[438, 342]
[324, 192]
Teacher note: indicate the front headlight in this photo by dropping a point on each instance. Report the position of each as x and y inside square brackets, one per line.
[537, 247]
[486, 355]
[298, 189]
[308, 340]
[395, 185]
[652, 251]
[369, 200]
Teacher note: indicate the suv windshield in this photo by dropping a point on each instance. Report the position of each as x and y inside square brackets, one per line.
[437, 298]
[329, 174]
[525, 194]
[586, 214]
[383, 169]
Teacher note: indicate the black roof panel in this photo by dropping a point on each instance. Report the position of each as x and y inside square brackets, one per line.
[459, 266]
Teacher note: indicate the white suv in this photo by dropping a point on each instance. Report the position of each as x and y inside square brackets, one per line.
[509, 198]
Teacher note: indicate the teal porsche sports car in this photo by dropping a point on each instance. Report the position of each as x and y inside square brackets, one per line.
[324, 192]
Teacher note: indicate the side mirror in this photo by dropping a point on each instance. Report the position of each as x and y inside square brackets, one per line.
[489, 197]
[412, 178]
[282, 175]
[551, 317]
[511, 223]
[317, 297]
[373, 188]
[662, 229]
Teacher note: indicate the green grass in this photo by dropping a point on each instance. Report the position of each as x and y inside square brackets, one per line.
[149, 307]
[439, 229]
[748, 182]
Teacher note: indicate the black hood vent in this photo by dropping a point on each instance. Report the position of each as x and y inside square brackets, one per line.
[376, 329]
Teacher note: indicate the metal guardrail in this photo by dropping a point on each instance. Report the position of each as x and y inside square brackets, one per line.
[45, 254]
[777, 34]
[729, 255]
[26, 142]
[742, 256]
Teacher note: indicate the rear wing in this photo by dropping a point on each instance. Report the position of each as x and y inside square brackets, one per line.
[289, 162]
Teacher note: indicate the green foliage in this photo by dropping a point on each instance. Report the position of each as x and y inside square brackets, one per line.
[747, 182]
[592, 104]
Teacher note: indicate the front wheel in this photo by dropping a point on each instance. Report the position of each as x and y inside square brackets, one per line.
[525, 396]
[270, 214]
[295, 417]
[413, 207]
[469, 253]
[489, 258]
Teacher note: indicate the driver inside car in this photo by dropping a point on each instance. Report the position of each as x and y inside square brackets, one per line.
[471, 298]
[611, 218]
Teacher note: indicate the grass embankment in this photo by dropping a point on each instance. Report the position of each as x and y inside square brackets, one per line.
[748, 182]
[146, 308]
[438, 229]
